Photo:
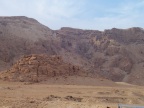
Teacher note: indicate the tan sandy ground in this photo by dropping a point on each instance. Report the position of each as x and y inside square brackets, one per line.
[46, 95]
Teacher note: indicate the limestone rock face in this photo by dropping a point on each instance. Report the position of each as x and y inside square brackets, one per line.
[38, 68]
[123, 63]
[112, 50]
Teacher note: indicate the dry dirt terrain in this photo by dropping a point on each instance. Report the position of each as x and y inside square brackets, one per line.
[51, 94]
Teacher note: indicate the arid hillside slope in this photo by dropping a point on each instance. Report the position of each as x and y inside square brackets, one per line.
[22, 36]
[116, 54]
[40, 67]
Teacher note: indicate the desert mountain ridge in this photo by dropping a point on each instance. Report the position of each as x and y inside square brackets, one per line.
[115, 54]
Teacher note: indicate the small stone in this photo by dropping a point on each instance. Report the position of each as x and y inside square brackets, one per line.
[32, 58]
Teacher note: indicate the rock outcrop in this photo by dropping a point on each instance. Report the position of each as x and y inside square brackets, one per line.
[35, 68]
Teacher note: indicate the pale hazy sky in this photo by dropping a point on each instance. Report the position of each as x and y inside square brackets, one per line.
[85, 14]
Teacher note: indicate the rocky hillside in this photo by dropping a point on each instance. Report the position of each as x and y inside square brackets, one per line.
[20, 36]
[116, 54]
[36, 68]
